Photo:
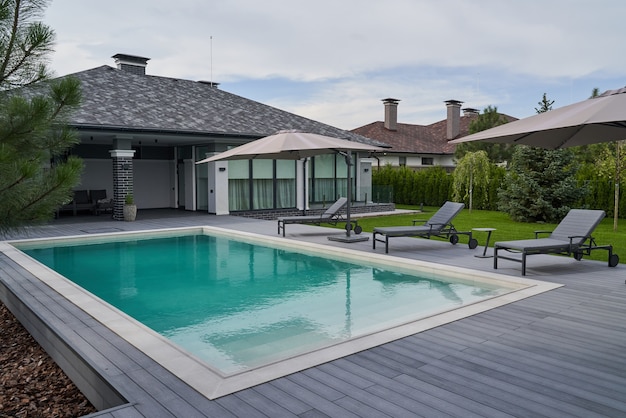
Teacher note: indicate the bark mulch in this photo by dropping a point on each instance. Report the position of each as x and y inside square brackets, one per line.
[31, 383]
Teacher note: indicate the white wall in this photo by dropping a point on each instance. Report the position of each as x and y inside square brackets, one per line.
[364, 180]
[416, 161]
[97, 175]
[153, 185]
[218, 187]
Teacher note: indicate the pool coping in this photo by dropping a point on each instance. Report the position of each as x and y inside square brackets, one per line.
[211, 383]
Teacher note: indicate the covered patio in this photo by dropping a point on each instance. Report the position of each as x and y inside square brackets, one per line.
[560, 353]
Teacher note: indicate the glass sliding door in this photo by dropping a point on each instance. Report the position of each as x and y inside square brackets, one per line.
[285, 184]
[202, 180]
[261, 184]
[328, 178]
[341, 169]
[239, 185]
[322, 178]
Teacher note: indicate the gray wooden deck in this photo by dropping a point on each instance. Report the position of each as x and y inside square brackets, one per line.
[561, 353]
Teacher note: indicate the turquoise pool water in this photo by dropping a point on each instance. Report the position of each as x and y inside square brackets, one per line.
[238, 305]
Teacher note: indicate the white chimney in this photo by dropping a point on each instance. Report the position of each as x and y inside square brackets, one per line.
[131, 63]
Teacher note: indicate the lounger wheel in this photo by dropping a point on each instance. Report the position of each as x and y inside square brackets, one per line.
[578, 255]
[473, 243]
[454, 239]
[613, 260]
[357, 228]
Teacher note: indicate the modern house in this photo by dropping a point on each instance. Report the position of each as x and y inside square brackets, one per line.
[420, 146]
[142, 134]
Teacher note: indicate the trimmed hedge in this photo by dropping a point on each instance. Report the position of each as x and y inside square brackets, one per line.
[433, 186]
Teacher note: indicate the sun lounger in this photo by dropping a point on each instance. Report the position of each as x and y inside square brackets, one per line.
[439, 225]
[572, 236]
[331, 216]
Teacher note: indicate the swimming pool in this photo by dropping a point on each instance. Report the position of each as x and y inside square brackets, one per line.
[239, 305]
[336, 296]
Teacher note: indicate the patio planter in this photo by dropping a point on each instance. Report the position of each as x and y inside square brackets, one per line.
[130, 209]
[130, 212]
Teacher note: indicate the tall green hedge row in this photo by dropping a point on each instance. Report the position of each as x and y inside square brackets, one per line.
[433, 186]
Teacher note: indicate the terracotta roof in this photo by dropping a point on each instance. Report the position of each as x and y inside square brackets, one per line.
[418, 139]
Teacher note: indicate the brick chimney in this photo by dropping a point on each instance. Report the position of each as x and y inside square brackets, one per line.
[470, 111]
[391, 113]
[131, 63]
[454, 118]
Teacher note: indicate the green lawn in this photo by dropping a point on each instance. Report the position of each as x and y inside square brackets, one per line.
[507, 229]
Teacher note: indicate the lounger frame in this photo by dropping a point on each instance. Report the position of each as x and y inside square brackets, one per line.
[430, 229]
[570, 245]
[330, 216]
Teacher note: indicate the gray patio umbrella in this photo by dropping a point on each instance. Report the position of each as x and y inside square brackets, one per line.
[295, 145]
[599, 119]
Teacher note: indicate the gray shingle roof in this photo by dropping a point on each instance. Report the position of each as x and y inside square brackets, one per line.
[120, 100]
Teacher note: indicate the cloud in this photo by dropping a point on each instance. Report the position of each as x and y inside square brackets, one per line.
[339, 58]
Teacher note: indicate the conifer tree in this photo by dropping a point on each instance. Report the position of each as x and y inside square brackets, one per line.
[540, 185]
[36, 176]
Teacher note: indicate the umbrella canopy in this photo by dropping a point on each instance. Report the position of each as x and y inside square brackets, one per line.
[599, 119]
[290, 145]
[295, 145]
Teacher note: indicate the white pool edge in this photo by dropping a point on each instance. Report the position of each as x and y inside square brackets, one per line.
[210, 382]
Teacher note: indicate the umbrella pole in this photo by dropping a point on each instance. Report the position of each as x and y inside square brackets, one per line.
[304, 188]
[349, 191]
[348, 237]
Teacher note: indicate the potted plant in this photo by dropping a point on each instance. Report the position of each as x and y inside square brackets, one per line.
[130, 209]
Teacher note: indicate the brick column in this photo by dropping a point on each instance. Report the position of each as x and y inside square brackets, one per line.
[122, 180]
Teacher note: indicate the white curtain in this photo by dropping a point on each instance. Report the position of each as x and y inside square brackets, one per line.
[238, 194]
[238, 185]
[285, 193]
[285, 184]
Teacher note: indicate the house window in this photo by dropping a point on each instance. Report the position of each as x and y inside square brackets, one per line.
[239, 185]
[428, 161]
[328, 178]
[261, 184]
[285, 184]
[402, 161]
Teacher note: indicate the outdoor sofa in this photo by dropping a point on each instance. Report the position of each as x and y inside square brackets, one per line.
[101, 202]
[95, 201]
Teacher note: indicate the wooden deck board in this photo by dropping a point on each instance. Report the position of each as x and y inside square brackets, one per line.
[560, 353]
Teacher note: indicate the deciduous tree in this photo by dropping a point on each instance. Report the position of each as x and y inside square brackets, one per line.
[471, 179]
[497, 153]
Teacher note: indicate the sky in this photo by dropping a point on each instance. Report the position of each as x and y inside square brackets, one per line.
[335, 60]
